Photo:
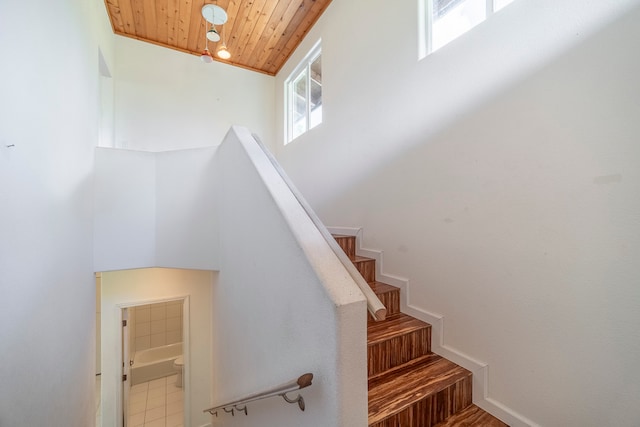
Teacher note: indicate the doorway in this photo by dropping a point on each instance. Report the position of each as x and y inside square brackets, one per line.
[142, 287]
[153, 362]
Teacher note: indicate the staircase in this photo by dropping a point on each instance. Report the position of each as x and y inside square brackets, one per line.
[409, 386]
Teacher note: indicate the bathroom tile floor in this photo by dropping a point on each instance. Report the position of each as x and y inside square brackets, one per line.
[157, 403]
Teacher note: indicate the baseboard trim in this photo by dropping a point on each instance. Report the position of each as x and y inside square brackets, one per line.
[345, 231]
[479, 369]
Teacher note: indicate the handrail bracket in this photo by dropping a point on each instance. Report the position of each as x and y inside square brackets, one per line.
[299, 400]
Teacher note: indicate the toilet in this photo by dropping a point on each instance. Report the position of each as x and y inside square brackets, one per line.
[178, 365]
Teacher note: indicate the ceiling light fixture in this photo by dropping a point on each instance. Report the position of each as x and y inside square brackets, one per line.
[213, 35]
[215, 15]
[223, 53]
[206, 56]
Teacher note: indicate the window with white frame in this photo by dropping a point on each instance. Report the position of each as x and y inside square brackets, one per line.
[447, 20]
[303, 95]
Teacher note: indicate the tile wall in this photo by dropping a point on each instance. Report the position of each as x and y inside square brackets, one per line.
[157, 324]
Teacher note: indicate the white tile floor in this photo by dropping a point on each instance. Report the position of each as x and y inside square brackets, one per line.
[156, 403]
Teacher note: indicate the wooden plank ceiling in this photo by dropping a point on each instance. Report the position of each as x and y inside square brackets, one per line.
[260, 34]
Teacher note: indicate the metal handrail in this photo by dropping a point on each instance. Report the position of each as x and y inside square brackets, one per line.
[374, 305]
[240, 405]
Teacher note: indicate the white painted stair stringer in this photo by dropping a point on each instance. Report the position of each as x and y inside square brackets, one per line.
[479, 369]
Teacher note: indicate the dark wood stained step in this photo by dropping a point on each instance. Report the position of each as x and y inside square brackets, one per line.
[366, 267]
[408, 385]
[347, 243]
[419, 395]
[388, 295]
[472, 416]
[408, 365]
[380, 288]
[396, 341]
[393, 326]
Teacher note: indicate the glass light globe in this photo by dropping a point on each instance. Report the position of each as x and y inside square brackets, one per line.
[206, 57]
[213, 35]
[223, 53]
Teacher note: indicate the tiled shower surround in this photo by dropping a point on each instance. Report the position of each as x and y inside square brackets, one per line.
[155, 325]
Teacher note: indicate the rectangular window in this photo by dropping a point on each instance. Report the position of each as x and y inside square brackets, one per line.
[303, 95]
[499, 4]
[446, 20]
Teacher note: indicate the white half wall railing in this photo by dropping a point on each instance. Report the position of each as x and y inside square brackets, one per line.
[283, 302]
[374, 305]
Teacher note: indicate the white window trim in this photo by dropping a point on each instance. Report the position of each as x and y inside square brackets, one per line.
[425, 12]
[306, 62]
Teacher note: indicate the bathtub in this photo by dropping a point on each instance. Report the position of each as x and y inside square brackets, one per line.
[154, 363]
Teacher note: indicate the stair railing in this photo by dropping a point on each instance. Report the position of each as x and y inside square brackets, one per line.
[240, 405]
[374, 305]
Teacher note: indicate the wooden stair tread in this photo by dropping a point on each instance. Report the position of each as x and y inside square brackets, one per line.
[398, 324]
[382, 288]
[472, 416]
[366, 267]
[409, 386]
[347, 243]
[408, 365]
[388, 295]
[395, 391]
[395, 341]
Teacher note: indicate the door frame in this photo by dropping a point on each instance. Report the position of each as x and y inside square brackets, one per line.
[186, 347]
[126, 351]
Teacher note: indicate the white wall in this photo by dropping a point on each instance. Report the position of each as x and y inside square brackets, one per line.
[500, 176]
[135, 287]
[49, 113]
[167, 100]
[186, 214]
[155, 209]
[283, 304]
[125, 209]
